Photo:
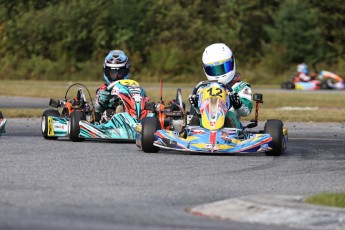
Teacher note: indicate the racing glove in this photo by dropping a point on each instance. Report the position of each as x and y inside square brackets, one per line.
[193, 99]
[104, 97]
[235, 101]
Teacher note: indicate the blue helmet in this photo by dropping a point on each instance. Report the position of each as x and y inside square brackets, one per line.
[116, 66]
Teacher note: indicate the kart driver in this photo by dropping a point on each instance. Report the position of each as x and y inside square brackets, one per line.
[115, 67]
[219, 64]
[303, 73]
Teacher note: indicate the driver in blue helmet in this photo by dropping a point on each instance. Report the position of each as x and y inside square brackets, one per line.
[116, 67]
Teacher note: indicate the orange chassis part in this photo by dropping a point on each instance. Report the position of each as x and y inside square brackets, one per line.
[70, 107]
[162, 116]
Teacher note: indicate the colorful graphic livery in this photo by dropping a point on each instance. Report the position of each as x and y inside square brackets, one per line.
[77, 118]
[2, 124]
[211, 136]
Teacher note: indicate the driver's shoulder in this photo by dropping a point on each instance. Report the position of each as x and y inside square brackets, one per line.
[241, 85]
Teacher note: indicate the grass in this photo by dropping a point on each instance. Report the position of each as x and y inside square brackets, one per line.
[21, 113]
[328, 199]
[328, 107]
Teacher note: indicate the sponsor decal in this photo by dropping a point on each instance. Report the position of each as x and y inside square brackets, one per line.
[198, 131]
[212, 147]
[59, 126]
[226, 135]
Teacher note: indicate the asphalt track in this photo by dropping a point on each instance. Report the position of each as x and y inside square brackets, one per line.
[100, 185]
[103, 185]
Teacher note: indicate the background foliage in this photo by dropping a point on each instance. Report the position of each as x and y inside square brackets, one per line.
[68, 39]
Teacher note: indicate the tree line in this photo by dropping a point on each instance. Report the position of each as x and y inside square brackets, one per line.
[68, 39]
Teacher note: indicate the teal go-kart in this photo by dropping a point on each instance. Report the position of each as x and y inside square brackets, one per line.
[2, 124]
[215, 134]
[77, 120]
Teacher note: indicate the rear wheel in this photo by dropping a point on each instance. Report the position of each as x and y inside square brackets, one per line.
[73, 127]
[149, 126]
[45, 123]
[324, 85]
[275, 129]
[290, 85]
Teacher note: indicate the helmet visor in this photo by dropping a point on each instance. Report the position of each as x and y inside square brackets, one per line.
[115, 74]
[219, 69]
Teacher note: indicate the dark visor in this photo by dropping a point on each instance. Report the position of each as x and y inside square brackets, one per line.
[116, 73]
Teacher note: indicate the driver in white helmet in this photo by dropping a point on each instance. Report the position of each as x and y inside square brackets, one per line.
[219, 64]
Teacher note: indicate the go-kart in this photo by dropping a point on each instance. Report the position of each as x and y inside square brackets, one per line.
[325, 80]
[77, 119]
[214, 134]
[295, 83]
[2, 124]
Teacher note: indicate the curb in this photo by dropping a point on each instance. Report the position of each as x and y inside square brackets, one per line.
[288, 211]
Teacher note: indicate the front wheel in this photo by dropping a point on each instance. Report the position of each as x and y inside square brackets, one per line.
[275, 129]
[73, 126]
[45, 123]
[149, 126]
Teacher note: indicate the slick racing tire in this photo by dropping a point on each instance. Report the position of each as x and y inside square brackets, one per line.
[44, 122]
[275, 129]
[324, 85]
[149, 126]
[73, 127]
[290, 85]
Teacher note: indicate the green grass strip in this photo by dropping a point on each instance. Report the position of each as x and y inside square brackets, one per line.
[328, 199]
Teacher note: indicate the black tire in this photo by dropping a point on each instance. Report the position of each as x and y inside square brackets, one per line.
[1, 116]
[275, 129]
[149, 126]
[44, 122]
[74, 128]
[324, 85]
[290, 85]
[283, 85]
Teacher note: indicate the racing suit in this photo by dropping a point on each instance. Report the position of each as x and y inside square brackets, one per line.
[303, 77]
[244, 91]
[102, 102]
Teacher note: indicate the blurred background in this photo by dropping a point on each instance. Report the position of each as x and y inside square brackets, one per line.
[68, 39]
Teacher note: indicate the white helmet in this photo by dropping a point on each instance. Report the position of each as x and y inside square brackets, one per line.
[219, 63]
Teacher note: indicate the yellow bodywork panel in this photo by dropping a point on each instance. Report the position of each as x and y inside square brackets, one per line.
[50, 127]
